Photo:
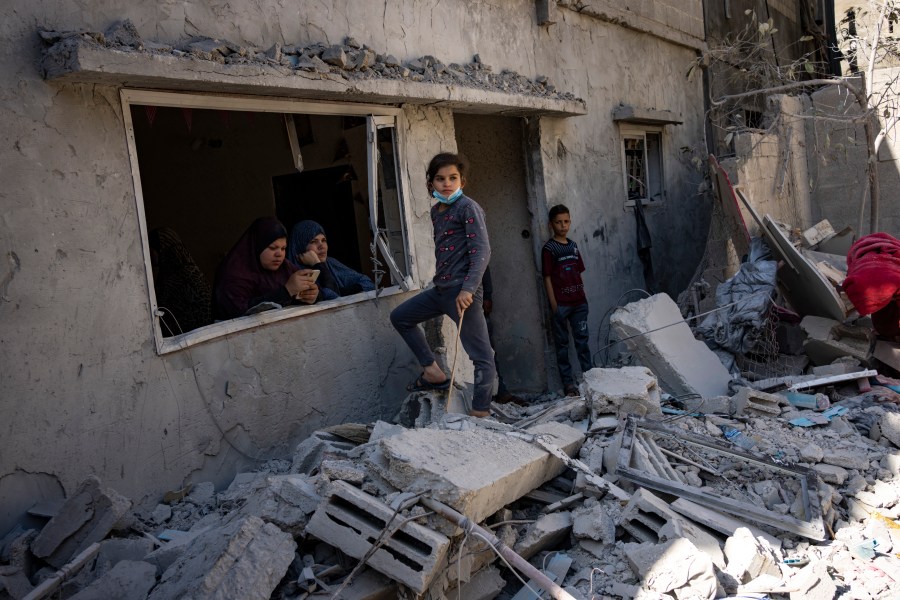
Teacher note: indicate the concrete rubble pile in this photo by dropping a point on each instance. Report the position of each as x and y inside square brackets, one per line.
[348, 61]
[624, 492]
[669, 478]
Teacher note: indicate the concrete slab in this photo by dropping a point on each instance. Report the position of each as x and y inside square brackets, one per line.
[718, 521]
[548, 531]
[653, 329]
[478, 471]
[286, 501]
[675, 567]
[352, 520]
[128, 579]
[86, 517]
[629, 390]
[825, 343]
[749, 557]
[244, 559]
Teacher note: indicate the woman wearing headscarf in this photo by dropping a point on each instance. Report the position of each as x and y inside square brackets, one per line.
[182, 292]
[255, 271]
[309, 248]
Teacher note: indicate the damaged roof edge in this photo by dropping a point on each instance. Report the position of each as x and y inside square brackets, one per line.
[86, 63]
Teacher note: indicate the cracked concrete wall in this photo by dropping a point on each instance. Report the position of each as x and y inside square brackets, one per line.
[83, 389]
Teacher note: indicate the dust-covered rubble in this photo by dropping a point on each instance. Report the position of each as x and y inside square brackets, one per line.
[348, 61]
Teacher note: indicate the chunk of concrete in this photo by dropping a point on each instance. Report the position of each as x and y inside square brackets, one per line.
[244, 559]
[115, 550]
[592, 522]
[547, 532]
[831, 473]
[755, 402]
[749, 557]
[629, 390]
[14, 582]
[128, 579]
[675, 567]
[87, 517]
[476, 471]
[811, 453]
[309, 453]
[827, 341]
[351, 520]
[889, 423]
[486, 584]
[649, 518]
[849, 458]
[655, 332]
[286, 501]
[888, 353]
[813, 583]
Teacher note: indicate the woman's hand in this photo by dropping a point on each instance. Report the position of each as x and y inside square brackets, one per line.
[300, 287]
[463, 301]
[309, 258]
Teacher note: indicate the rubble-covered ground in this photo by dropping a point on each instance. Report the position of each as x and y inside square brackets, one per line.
[302, 528]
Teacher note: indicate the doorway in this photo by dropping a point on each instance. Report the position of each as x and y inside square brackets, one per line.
[495, 147]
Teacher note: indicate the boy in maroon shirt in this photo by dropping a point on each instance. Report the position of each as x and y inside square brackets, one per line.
[562, 268]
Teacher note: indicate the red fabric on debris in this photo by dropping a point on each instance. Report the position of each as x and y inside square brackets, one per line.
[873, 281]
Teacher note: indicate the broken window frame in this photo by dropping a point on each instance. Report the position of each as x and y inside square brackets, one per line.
[654, 173]
[812, 527]
[377, 117]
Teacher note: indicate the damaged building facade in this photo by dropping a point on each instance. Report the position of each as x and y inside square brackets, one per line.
[200, 116]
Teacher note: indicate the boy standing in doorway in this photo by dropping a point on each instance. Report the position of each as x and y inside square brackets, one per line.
[562, 268]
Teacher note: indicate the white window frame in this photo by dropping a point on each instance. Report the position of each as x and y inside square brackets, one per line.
[632, 132]
[377, 117]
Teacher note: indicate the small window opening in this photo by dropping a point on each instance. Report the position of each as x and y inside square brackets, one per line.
[643, 167]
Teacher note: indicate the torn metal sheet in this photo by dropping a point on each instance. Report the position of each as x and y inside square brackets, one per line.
[811, 527]
[806, 289]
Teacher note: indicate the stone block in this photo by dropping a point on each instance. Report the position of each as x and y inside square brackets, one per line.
[654, 331]
[286, 501]
[477, 471]
[14, 583]
[650, 519]
[128, 579]
[546, 532]
[849, 458]
[824, 342]
[351, 520]
[676, 568]
[749, 557]
[889, 423]
[592, 522]
[755, 402]
[811, 453]
[115, 550]
[831, 473]
[310, 452]
[629, 390]
[86, 517]
[244, 559]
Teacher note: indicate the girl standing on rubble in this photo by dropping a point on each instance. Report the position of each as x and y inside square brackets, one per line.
[255, 271]
[462, 252]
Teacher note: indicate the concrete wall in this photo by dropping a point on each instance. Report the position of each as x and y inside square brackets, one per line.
[82, 388]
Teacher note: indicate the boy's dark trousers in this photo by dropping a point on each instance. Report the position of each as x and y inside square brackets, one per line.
[577, 317]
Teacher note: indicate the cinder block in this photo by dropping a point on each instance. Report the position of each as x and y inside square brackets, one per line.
[352, 520]
[748, 400]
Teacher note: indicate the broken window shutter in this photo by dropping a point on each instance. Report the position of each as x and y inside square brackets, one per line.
[374, 123]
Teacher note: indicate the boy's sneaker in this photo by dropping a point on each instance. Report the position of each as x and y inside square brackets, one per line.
[572, 390]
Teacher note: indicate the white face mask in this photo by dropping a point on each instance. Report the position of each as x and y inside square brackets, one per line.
[453, 197]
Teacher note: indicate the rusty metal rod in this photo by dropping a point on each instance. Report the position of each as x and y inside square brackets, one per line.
[529, 570]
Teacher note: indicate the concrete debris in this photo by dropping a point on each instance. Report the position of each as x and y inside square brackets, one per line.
[245, 559]
[347, 61]
[654, 332]
[86, 517]
[626, 492]
[629, 390]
